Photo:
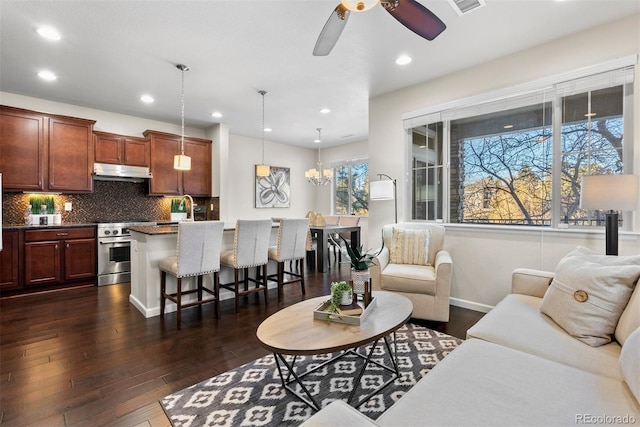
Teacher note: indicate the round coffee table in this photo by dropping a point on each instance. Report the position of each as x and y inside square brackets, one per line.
[294, 331]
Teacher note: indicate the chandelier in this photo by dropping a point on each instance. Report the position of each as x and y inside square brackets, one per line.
[319, 176]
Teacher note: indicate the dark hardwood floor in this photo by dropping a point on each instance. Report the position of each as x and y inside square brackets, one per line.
[86, 357]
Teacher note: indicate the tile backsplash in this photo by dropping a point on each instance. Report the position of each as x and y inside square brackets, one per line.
[110, 200]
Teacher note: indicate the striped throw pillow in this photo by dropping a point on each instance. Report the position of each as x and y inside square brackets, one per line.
[410, 246]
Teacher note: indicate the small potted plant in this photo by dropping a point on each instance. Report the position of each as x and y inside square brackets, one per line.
[360, 262]
[341, 294]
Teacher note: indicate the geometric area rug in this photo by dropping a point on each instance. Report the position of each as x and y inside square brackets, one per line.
[252, 395]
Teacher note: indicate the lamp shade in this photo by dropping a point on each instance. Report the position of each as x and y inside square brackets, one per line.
[182, 162]
[381, 190]
[262, 170]
[614, 192]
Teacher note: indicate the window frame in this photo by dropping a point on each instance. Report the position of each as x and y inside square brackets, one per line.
[551, 89]
[349, 163]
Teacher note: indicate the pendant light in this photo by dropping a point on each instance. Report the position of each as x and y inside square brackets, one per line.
[319, 176]
[180, 161]
[262, 169]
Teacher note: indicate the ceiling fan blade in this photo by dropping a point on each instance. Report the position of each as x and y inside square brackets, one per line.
[417, 18]
[331, 31]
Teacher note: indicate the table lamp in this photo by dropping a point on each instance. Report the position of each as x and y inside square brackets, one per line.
[613, 192]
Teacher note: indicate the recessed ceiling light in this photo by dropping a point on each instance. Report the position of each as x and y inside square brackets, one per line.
[508, 126]
[316, 141]
[147, 99]
[590, 115]
[268, 129]
[49, 33]
[216, 114]
[403, 60]
[325, 111]
[47, 75]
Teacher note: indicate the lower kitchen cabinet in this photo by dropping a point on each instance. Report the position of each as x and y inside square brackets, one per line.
[10, 260]
[61, 256]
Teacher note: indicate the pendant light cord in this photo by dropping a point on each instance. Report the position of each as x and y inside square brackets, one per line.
[182, 114]
[263, 93]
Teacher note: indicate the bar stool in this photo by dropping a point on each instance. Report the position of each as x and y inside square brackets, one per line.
[250, 247]
[197, 254]
[292, 246]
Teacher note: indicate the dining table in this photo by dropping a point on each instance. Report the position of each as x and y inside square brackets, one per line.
[322, 233]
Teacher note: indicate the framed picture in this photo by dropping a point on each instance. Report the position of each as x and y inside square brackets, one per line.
[273, 191]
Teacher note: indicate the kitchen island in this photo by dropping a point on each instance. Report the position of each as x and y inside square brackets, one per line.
[149, 245]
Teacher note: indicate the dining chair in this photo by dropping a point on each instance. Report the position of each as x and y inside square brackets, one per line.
[197, 254]
[291, 246]
[250, 249]
[350, 221]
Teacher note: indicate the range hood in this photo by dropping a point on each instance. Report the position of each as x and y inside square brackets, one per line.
[109, 172]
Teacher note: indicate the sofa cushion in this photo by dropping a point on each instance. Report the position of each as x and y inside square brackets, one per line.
[516, 322]
[588, 294]
[630, 363]
[410, 246]
[409, 278]
[480, 383]
[630, 318]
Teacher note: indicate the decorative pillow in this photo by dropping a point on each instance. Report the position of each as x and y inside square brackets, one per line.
[589, 292]
[410, 246]
[629, 365]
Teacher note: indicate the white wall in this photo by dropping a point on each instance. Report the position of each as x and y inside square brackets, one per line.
[484, 257]
[244, 154]
[105, 121]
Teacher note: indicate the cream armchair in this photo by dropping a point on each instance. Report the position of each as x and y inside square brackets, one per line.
[420, 271]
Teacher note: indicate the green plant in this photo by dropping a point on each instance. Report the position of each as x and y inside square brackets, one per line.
[175, 206]
[359, 260]
[337, 291]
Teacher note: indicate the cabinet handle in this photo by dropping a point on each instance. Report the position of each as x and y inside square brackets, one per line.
[62, 234]
[56, 247]
[67, 246]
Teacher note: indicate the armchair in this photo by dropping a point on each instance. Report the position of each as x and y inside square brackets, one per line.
[424, 278]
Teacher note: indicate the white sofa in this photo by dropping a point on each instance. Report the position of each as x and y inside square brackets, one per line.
[518, 368]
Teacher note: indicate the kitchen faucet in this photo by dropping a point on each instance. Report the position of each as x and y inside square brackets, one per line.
[191, 204]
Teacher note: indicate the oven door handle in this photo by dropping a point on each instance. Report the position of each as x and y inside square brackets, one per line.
[114, 241]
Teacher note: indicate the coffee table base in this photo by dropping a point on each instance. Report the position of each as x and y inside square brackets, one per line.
[309, 399]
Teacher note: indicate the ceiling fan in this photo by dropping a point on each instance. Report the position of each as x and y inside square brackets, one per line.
[410, 13]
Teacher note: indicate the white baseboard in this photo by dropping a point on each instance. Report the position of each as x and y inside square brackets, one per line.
[476, 306]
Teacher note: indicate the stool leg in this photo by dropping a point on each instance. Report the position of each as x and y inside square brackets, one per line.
[302, 274]
[237, 284]
[280, 277]
[179, 301]
[216, 292]
[264, 284]
[163, 290]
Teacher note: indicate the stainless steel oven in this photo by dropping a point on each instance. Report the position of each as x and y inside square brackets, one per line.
[114, 251]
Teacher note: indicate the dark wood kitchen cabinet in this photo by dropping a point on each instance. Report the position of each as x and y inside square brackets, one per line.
[22, 149]
[10, 260]
[60, 256]
[121, 150]
[166, 180]
[43, 152]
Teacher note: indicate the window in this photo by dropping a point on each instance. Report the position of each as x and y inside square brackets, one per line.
[351, 187]
[519, 159]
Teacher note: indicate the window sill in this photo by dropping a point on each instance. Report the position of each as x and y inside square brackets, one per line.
[524, 229]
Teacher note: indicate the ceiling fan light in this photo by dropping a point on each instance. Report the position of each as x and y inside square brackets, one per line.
[359, 5]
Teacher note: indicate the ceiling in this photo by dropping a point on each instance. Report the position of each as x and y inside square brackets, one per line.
[112, 52]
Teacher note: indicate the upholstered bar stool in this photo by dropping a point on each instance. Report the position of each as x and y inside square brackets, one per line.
[292, 246]
[250, 247]
[197, 254]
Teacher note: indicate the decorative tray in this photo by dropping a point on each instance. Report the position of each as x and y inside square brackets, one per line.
[321, 312]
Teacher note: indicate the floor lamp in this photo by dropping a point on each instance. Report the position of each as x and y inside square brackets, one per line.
[384, 190]
[613, 192]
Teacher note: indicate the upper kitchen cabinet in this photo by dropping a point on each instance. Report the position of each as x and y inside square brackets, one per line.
[70, 154]
[42, 152]
[121, 150]
[22, 144]
[166, 180]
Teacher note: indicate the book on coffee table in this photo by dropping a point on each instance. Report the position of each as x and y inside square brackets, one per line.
[352, 309]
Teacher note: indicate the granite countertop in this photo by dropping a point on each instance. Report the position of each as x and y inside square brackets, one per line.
[38, 226]
[172, 228]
